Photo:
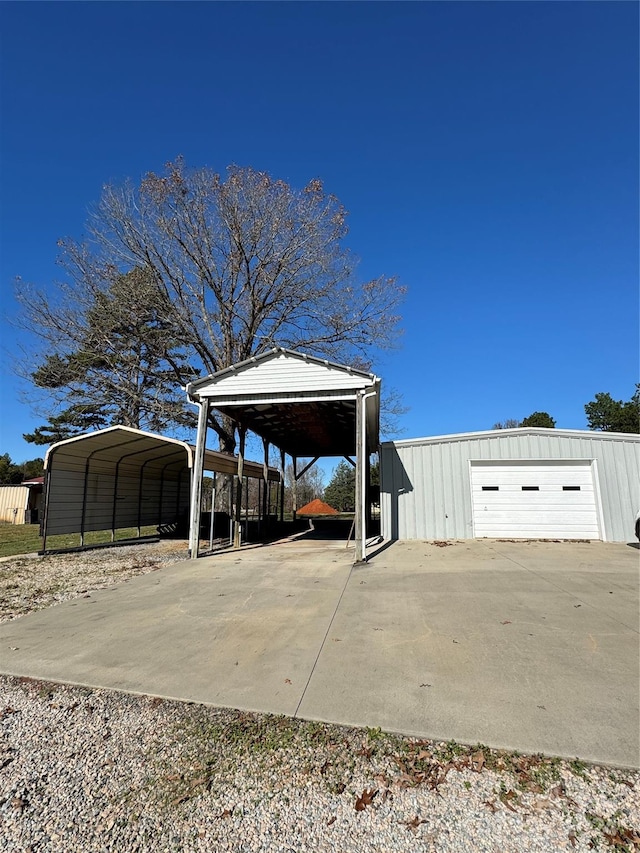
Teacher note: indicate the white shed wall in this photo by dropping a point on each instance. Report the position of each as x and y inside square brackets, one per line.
[425, 483]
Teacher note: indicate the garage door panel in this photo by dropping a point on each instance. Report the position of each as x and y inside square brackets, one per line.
[533, 499]
[537, 478]
[558, 500]
[551, 492]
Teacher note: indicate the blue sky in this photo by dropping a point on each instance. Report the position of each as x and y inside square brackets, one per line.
[487, 154]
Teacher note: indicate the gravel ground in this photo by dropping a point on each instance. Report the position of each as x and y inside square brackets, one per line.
[93, 770]
[30, 583]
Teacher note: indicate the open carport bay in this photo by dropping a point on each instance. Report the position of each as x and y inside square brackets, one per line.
[532, 646]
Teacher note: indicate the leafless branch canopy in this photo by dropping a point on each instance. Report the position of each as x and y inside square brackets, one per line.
[239, 264]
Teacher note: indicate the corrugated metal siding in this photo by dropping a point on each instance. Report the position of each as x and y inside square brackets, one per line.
[13, 503]
[425, 487]
[137, 499]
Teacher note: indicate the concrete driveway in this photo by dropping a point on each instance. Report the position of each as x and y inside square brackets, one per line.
[530, 646]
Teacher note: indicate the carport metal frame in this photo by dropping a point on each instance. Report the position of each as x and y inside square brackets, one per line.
[345, 418]
[154, 448]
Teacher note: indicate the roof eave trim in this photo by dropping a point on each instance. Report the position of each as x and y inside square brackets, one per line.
[496, 433]
[116, 428]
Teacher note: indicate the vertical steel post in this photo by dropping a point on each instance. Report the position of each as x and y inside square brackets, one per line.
[213, 512]
[265, 489]
[294, 487]
[238, 507]
[358, 520]
[282, 460]
[84, 499]
[196, 478]
[47, 493]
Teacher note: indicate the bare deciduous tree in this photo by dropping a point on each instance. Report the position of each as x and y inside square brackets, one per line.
[240, 265]
[110, 356]
[308, 487]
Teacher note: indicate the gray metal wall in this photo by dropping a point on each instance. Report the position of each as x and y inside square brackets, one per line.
[425, 483]
[143, 497]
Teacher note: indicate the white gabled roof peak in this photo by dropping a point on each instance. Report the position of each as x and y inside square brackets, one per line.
[256, 361]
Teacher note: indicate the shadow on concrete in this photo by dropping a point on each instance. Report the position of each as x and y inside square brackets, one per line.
[329, 528]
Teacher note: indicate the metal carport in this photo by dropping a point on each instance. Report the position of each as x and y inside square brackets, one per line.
[122, 477]
[304, 406]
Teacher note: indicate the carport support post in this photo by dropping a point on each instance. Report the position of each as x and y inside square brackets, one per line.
[360, 454]
[238, 508]
[265, 490]
[294, 488]
[196, 478]
[281, 490]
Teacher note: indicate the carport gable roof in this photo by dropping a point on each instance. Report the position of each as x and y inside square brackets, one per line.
[302, 404]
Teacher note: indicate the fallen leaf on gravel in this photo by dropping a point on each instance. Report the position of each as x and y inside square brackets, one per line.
[404, 780]
[365, 799]
[413, 824]
[543, 803]
[623, 837]
[7, 712]
[506, 798]
[477, 761]
[331, 820]
[491, 804]
[573, 838]
[18, 803]
[225, 813]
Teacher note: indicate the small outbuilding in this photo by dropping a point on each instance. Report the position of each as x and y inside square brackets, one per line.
[523, 483]
[21, 503]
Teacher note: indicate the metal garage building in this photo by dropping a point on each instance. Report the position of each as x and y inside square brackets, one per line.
[524, 483]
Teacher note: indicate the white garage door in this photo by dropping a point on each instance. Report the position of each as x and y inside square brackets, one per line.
[534, 500]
